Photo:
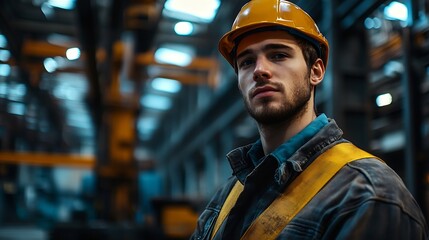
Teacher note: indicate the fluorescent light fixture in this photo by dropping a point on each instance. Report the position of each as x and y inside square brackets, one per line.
[396, 11]
[3, 41]
[16, 108]
[183, 28]
[192, 10]
[4, 70]
[50, 64]
[73, 53]
[384, 100]
[156, 102]
[64, 4]
[166, 85]
[178, 56]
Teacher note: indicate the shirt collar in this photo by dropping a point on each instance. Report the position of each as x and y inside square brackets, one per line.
[285, 151]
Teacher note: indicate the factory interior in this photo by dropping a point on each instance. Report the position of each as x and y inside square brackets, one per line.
[116, 115]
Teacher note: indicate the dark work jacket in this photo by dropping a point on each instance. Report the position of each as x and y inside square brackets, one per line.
[365, 200]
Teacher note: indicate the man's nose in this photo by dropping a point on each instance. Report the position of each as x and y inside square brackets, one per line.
[262, 71]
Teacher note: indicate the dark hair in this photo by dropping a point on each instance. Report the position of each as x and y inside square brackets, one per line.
[310, 56]
[308, 50]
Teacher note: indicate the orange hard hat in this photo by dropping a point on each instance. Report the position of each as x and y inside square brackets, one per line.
[260, 15]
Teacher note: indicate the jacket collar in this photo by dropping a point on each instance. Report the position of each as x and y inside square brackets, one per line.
[244, 160]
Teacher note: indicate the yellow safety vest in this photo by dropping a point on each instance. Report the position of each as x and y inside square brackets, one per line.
[296, 195]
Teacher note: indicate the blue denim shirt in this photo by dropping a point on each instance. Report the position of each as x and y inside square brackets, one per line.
[365, 200]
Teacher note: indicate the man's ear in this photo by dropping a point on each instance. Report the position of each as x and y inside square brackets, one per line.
[317, 72]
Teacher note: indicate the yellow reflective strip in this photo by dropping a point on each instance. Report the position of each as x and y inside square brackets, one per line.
[227, 206]
[271, 222]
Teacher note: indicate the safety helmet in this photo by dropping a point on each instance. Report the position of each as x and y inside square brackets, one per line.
[261, 15]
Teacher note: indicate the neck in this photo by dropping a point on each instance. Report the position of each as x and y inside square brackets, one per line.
[273, 135]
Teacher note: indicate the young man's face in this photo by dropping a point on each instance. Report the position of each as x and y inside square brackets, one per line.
[273, 76]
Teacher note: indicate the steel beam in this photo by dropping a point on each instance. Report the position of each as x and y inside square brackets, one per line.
[47, 159]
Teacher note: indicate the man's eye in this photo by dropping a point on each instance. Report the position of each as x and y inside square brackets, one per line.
[279, 56]
[245, 63]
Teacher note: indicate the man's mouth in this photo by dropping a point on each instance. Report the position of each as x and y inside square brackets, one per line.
[264, 91]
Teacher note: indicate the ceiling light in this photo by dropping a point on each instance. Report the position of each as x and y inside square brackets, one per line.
[59, 39]
[184, 28]
[64, 4]
[17, 92]
[173, 56]
[392, 141]
[156, 102]
[369, 23]
[192, 10]
[67, 93]
[50, 64]
[73, 53]
[396, 11]
[166, 85]
[393, 68]
[372, 23]
[3, 41]
[3, 89]
[4, 70]
[47, 10]
[4, 55]
[79, 120]
[384, 100]
[146, 125]
[16, 108]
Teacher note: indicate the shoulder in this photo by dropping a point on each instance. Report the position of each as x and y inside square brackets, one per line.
[364, 192]
[377, 178]
[371, 180]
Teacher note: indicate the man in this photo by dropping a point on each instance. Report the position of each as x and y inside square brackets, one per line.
[281, 188]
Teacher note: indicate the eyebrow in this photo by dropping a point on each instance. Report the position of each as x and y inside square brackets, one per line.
[272, 46]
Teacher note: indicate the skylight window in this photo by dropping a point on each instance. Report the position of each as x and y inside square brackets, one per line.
[166, 85]
[192, 10]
